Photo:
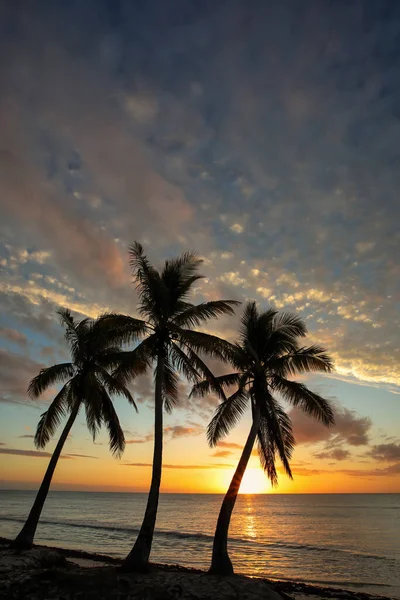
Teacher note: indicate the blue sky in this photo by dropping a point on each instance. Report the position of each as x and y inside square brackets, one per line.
[265, 136]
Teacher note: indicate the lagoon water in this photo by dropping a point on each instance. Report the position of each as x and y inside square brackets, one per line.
[348, 541]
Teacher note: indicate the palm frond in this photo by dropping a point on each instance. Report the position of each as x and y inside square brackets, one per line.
[109, 357]
[299, 395]
[215, 386]
[276, 425]
[210, 345]
[152, 291]
[170, 386]
[116, 328]
[290, 324]
[267, 453]
[92, 396]
[226, 416]
[135, 362]
[198, 314]
[201, 367]
[303, 360]
[71, 335]
[50, 420]
[183, 364]
[114, 386]
[111, 420]
[48, 377]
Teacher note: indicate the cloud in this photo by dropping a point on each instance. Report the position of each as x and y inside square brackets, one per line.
[32, 453]
[140, 439]
[167, 466]
[389, 471]
[385, 452]
[16, 371]
[177, 431]
[349, 428]
[80, 456]
[84, 172]
[27, 435]
[13, 335]
[335, 453]
[222, 454]
[392, 470]
[229, 445]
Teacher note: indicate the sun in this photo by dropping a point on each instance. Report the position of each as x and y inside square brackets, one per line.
[254, 482]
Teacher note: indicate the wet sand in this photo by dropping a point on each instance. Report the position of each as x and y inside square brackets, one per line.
[52, 573]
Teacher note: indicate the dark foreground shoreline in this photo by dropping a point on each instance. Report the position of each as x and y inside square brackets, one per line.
[59, 573]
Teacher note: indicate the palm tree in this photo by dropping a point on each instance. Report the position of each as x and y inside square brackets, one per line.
[267, 353]
[87, 383]
[170, 344]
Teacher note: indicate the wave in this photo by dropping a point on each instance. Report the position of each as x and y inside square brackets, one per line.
[206, 537]
[341, 583]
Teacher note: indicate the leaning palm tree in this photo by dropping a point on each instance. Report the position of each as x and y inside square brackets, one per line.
[267, 353]
[166, 340]
[87, 383]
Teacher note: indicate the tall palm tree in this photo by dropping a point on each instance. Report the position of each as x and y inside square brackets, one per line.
[87, 383]
[168, 342]
[267, 353]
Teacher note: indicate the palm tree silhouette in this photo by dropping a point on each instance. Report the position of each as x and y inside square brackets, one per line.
[266, 354]
[172, 346]
[88, 383]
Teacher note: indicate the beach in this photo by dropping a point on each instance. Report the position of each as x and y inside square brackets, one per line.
[332, 541]
[55, 573]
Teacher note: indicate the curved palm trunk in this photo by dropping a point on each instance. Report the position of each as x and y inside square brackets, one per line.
[138, 558]
[24, 539]
[221, 563]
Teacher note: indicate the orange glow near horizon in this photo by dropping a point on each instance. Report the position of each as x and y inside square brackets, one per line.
[112, 475]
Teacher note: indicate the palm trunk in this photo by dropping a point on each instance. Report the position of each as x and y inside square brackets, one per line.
[138, 558]
[221, 563]
[24, 539]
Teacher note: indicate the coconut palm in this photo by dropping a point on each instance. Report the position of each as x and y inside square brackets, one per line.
[168, 342]
[268, 352]
[87, 383]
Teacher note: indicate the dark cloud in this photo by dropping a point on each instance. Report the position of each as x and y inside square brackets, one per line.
[386, 471]
[31, 453]
[219, 133]
[349, 428]
[16, 371]
[39, 316]
[214, 466]
[336, 453]
[385, 452]
[27, 435]
[80, 456]
[177, 431]
[13, 336]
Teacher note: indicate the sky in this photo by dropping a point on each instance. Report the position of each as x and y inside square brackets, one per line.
[264, 136]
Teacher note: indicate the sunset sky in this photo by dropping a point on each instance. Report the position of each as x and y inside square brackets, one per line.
[263, 135]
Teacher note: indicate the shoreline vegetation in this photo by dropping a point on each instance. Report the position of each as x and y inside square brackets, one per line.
[53, 573]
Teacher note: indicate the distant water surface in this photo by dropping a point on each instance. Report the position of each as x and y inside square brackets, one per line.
[349, 541]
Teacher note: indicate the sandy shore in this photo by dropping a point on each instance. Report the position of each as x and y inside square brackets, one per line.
[52, 573]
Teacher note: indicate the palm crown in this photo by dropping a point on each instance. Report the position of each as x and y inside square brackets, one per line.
[86, 381]
[268, 352]
[166, 327]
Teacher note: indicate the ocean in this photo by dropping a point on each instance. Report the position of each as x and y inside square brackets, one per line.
[348, 541]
